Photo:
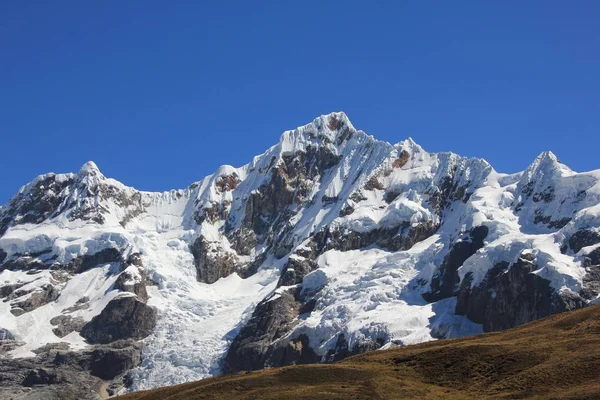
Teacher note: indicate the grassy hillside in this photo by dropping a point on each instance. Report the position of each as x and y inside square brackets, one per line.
[554, 358]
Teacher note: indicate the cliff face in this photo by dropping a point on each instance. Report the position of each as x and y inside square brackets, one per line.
[330, 243]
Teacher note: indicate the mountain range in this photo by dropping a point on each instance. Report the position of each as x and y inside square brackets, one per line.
[329, 244]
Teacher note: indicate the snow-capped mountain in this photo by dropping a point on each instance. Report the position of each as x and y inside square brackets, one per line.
[328, 244]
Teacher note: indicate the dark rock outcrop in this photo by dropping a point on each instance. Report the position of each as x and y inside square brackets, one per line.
[122, 318]
[51, 194]
[23, 263]
[401, 237]
[41, 201]
[511, 295]
[593, 258]
[133, 278]
[294, 271]
[401, 160]
[291, 181]
[583, 238]
[591, 279]
[342, 350]
[81, 304]
[256, 345]
[46, 294]
[268, 210]
[57, 373]
[445, 283]
[86, 262]
[30, 262]
[448, 190]
[6, 335]
[293, 352]
[211, 263]
[227, 183]
[108, 362]
[9, 288]
[66, 324]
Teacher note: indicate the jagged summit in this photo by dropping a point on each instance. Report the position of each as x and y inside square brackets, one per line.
[410, 145]
[546, 164]
[89, 168]
[330, 129]
[334, 122]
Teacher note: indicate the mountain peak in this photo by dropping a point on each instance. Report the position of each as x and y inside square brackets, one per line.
[545, 165]
[547, 160]
[89, 168]
[329, 125]
[547, 156]
[334, 128]
[410, 145]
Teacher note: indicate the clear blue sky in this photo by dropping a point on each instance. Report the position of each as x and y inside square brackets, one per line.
[160, 94]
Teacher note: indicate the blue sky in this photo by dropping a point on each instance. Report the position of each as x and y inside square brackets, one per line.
[159, 94]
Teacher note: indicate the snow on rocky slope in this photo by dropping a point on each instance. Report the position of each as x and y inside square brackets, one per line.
[328, 244]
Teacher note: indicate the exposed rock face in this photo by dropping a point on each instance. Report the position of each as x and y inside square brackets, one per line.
[45, 295]
[292, 352]
[511, 295]
[294, 271]
[29, 262]
[341, 349]
[122, 318]
[133, 278]
[593, 258]
[81, 304]
[84, 263]
[56, 373]
[59, 373]
[291, 180]
[41, 200]
[227, 183]
[450, 188]
[591, 280]
[66, 324]
[402, 159]
[583, 238]
[265, 341]
[253, 347]
[108, 362]
[24, 262]
[212, 262]
[6, 335]
[401, 237]
[445, 283]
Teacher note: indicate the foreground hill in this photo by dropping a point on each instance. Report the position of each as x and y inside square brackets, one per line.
[554, 358]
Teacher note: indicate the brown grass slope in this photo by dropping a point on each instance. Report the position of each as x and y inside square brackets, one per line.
[554, 358]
